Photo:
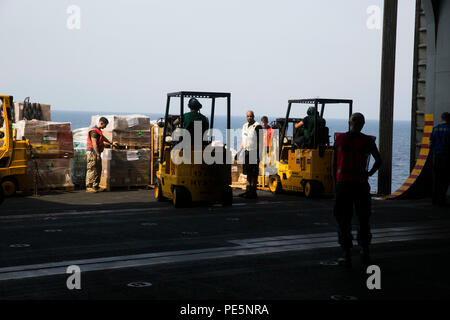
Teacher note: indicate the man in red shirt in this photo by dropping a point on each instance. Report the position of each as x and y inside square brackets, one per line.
[351, 155]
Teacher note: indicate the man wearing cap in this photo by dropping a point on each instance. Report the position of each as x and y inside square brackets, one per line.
[193, 116]
[94, 147]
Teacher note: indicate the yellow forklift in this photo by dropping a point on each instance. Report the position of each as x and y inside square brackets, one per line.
[186, 183]
[305, 169]
[14, 154]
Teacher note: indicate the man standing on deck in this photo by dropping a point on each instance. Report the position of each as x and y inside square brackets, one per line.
[351, 155]
[440, 147]
[95, 145]
[267, 133]
[250, 145]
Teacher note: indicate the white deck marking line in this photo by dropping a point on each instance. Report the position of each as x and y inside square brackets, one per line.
[76, 213]
[327, 234]
[311, 242]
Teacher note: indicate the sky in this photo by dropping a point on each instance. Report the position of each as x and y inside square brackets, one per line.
[126, 55]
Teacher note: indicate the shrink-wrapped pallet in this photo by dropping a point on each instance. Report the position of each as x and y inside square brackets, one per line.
[127, 130]
[48, 139]
[236, 171]
[125, 168]
[78, 163]
[49, 174]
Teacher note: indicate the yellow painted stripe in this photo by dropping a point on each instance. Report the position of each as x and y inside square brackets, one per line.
[420, 162]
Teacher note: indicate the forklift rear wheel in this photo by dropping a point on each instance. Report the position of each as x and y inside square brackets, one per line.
[9, 187]
[1, 196]
[275, 184]
[181, 197]
[158, 191]
[313, 189]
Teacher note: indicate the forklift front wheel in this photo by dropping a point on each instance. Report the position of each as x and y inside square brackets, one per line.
[181, 197]
[9, 187]
[275, 184]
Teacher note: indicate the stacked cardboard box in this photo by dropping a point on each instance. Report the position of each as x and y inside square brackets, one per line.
[47, 174]
[49, 139]
[52, 148]
[125, 168]
[238, 179]
[130, 164]
[236, 171]
[132, 130]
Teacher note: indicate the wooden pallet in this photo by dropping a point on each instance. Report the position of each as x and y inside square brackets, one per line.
[128, 188]
[127, 147]
[239, 186]
[53, 189]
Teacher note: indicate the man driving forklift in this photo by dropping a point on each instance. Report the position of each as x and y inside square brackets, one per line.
[305, 128]
[190, 118]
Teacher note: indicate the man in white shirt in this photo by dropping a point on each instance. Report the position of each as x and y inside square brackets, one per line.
[250, 145]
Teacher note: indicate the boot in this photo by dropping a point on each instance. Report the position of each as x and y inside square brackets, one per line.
[244, 194]
[346, 258]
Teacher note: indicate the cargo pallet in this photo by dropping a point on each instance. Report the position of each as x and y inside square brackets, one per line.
[51, 189]
[127, 147]
[128, 188]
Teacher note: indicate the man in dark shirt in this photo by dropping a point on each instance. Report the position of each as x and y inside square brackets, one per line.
[440, 148]
[193, 116]
[307, 124]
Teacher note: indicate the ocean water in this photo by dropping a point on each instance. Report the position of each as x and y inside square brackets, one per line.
[401, 143]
